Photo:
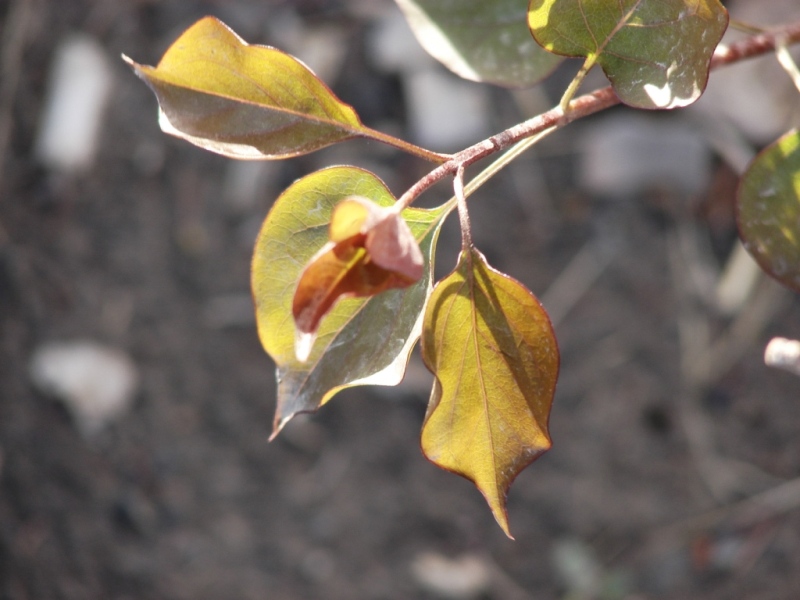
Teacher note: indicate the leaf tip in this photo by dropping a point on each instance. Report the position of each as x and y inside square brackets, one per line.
[501, 516]
[277, 427]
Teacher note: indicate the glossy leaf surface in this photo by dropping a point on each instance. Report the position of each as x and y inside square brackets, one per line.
[371, 250]
[244, 101]
[768, 209]
[490, 345]
[656, 53]
[480, 40]
[361, 341]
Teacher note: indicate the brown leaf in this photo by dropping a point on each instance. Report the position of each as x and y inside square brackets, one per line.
[371, 250]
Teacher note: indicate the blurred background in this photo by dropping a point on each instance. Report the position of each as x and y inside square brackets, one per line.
[136, 402]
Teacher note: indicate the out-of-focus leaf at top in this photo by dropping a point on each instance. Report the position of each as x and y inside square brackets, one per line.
[492, 349]
[361, 340]
[656, 53]
[244, 101]
[768, 209]
[480, 40]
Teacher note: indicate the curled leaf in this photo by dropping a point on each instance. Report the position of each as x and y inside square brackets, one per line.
[371, 250]
[242, 100]
[492, 349]
[480, 40]
[768, 209]
[361, 340]
[656, 53]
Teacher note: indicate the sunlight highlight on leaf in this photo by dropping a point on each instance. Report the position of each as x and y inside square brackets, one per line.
[360, 341]
[768, 209]
[490, 345]
[656, 53]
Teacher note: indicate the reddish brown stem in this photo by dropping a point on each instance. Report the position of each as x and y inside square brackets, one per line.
[586, 105]
[463, 213]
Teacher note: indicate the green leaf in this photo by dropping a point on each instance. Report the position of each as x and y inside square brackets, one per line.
[480, 40]
[492, 349]
[768, 209]
[656, 53]
[360, 341]
[244, 101]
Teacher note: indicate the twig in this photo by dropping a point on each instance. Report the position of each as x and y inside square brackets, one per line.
[577, 277]
[728, 349]
[783, 354]
[13, 43]
[584, 106]
[703, 362]
[463, 212]
[774, 502]
[788, 64]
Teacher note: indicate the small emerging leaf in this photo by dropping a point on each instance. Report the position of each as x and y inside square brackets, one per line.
[480, 40]
[768, 209]
[371, 250]
[656, 53]
[361, 341]
[244, 101]
[491, 346]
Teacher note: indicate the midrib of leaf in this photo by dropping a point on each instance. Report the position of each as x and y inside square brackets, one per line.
[330, 121]
[623, 22]
[484, 394]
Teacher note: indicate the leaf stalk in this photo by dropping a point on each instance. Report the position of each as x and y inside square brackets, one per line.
[405, 146]
[576, 82]
[463, 212]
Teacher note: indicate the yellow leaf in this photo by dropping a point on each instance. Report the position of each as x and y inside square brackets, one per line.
[490, 344]
[244, 101]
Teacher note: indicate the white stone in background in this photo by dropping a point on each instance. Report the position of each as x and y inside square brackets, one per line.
[96, 383]
[625, 154]
[756, 95]
[77, 93]
[230, 310]
[321, 48]
[246, 182]
[392, 47]
[445, 113]
[461, 578]
[577, 567]
[738, 281]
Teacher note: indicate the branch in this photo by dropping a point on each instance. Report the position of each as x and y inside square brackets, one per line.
[586, 105]
[783, 354]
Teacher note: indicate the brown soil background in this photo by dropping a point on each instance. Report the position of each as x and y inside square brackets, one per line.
[184, 498]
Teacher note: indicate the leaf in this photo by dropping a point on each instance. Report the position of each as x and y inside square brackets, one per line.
[492, 349]
[244, 101]
[656, 53]
[371, 250]
[768, 209]
[480, 40]
[361, 341]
